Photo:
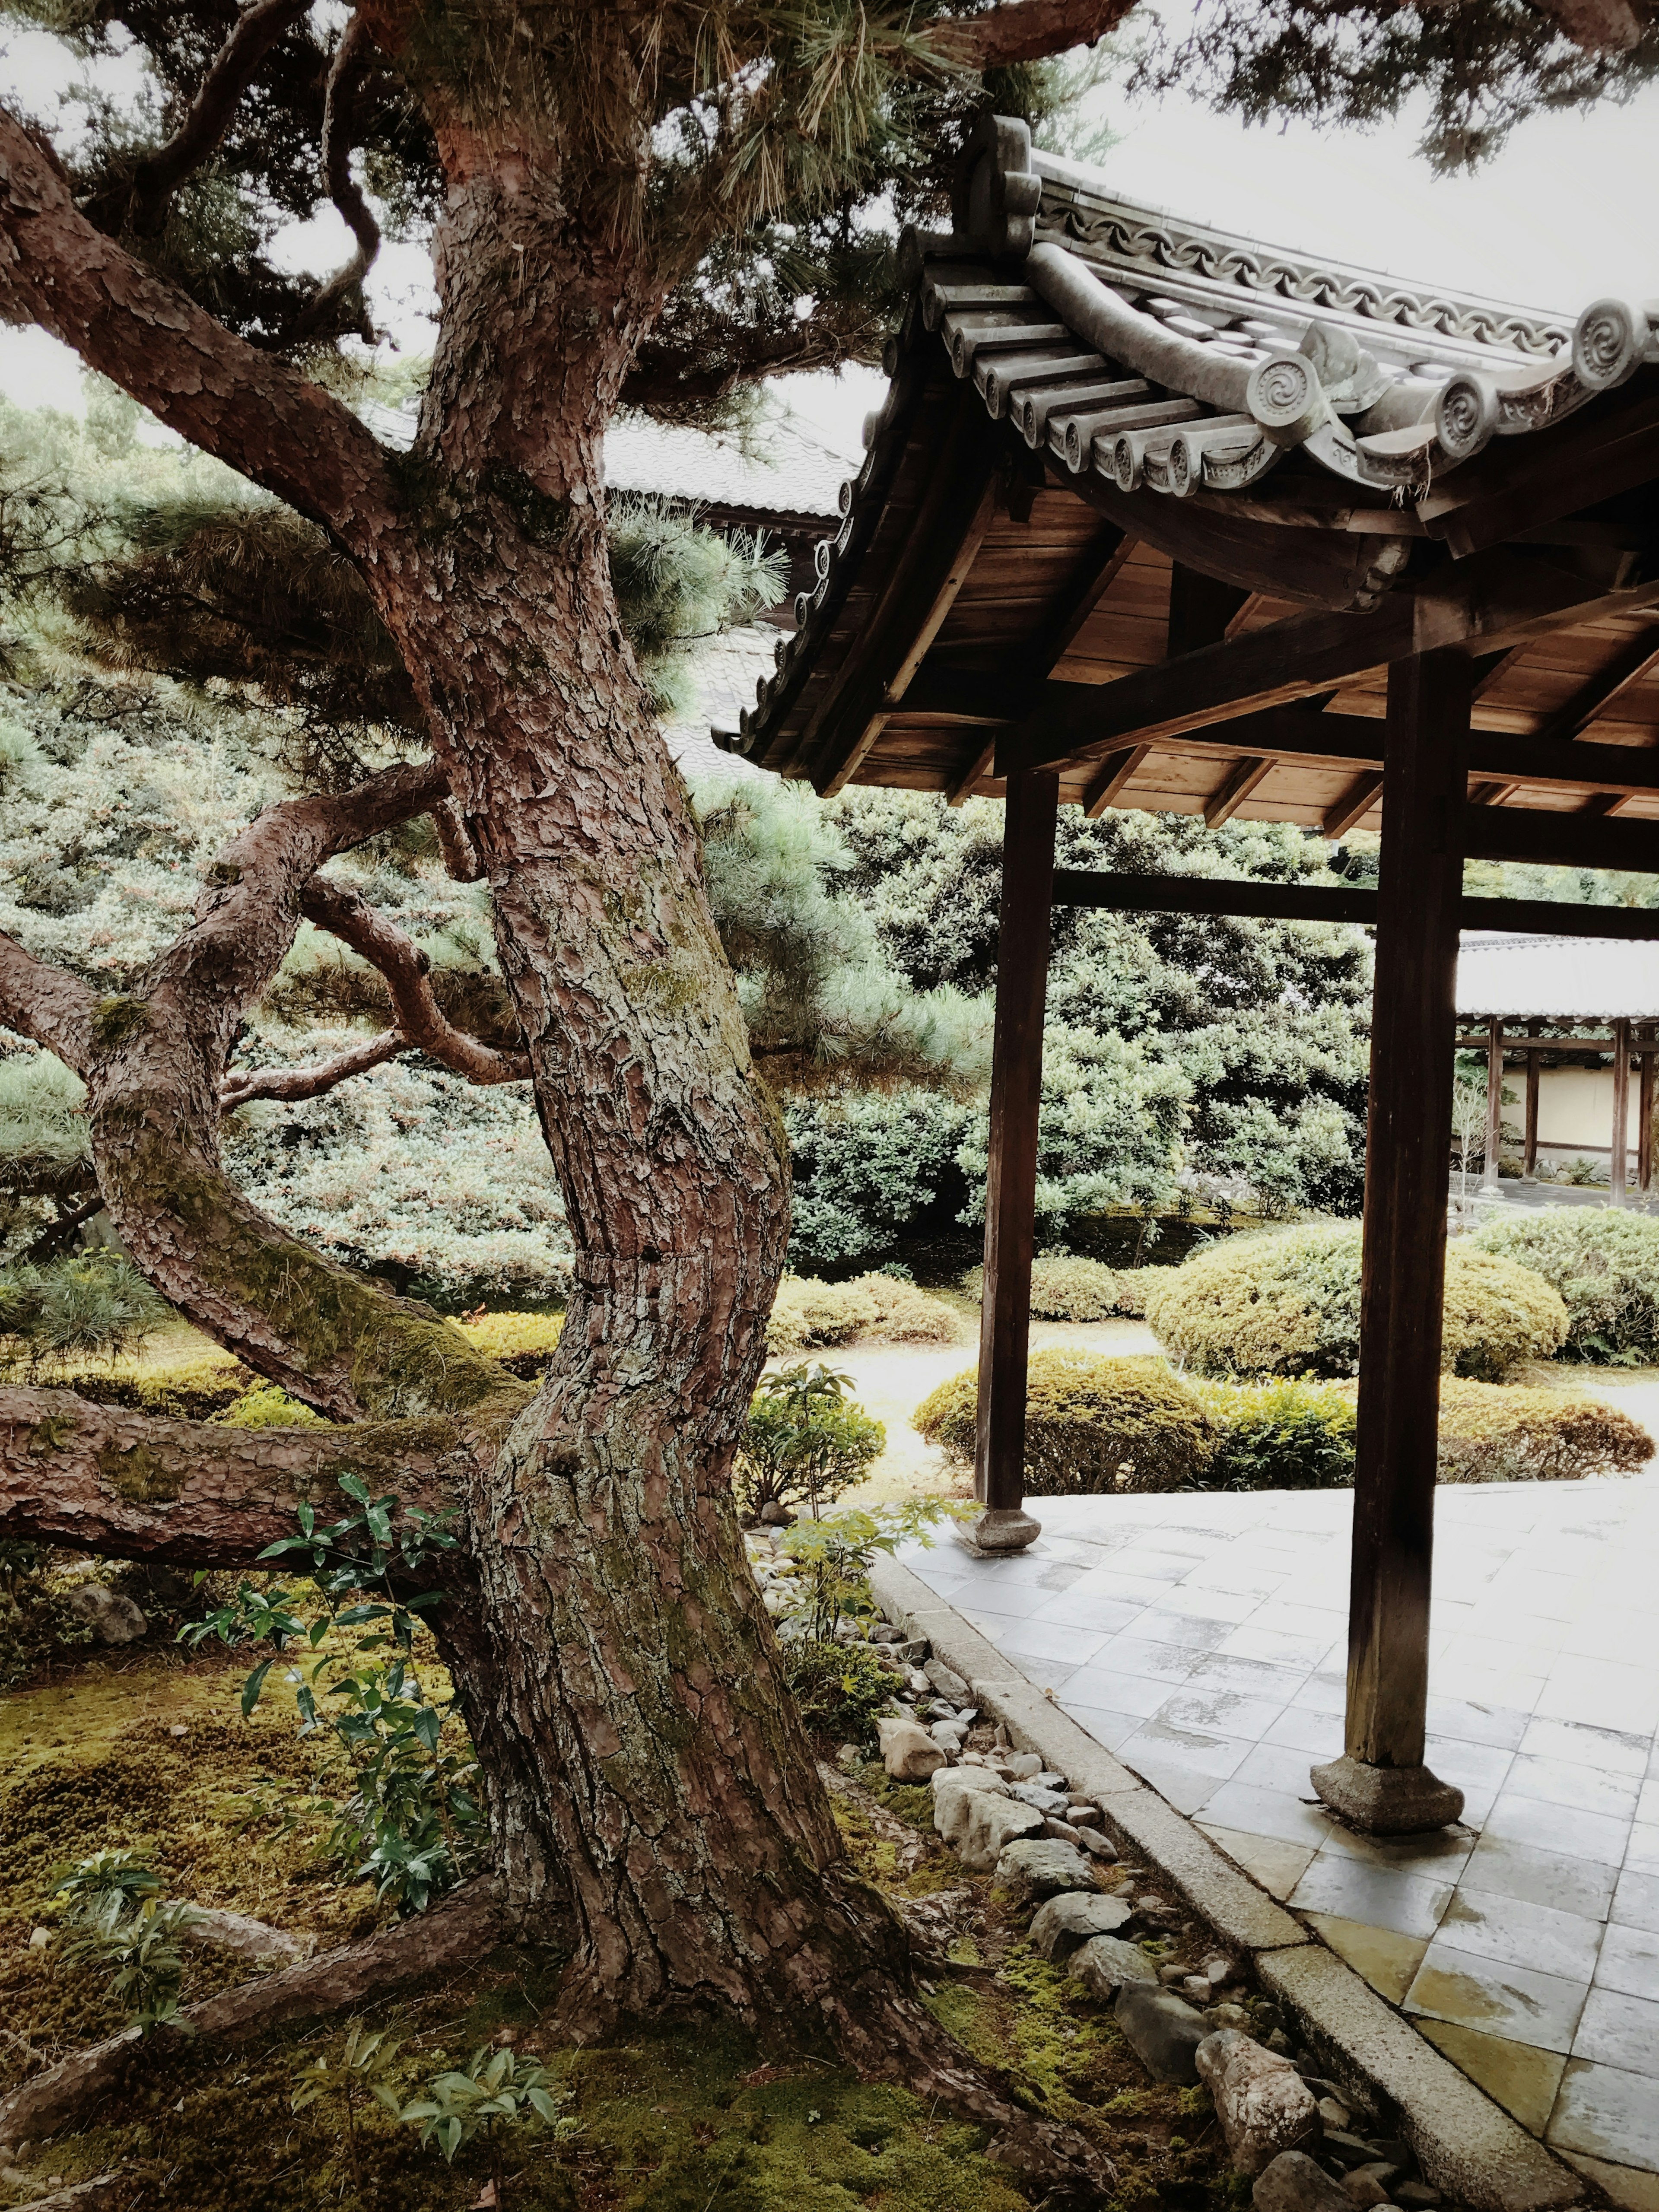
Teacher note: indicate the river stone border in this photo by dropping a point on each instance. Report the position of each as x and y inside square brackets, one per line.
[1466, 2144]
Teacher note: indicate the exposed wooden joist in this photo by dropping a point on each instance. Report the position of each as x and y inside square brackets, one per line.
[1590, 702]
[1356, 802]
[1090, 579]
[1115, 770]
[1499, 599]
[1246, 776]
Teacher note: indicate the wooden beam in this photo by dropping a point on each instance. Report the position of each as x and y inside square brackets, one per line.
[1477, 1040]
[1201, 608]
[1381, 1783]
[1644, 1125]
[1502, 598]
[1581, 840]
[1023, 940]
[1248, 897]
[1574, 467]
[1356, 802]
[1620, 1111]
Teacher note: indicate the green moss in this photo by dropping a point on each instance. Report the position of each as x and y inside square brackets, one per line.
[137, 1474]
[116, 1020]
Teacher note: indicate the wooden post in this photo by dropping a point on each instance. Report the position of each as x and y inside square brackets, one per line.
[1530, 1158]
[1620, 1111]
[1028, 877]
[1488, 1181]
[1381, 1783]
[1644, 1123]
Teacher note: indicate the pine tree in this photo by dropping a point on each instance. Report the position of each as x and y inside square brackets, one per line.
[627, 206]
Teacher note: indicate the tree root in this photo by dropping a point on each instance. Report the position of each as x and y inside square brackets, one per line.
[454, 1934]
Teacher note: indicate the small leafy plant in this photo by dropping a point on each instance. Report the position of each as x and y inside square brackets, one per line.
[360, 2071]
[803, 1441]
[494, 2090]
[118, 1923]
[413, 1820]
[834, 1556]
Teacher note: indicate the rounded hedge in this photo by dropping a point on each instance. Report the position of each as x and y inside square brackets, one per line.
[1287, 1303]
[1093, 1424]
[1490, 1434]
[1063, 1288]
[1603, 1260]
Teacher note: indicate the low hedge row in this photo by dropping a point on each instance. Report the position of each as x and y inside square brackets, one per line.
[883, 1309]
[1098, 1425]
[1287, 1303]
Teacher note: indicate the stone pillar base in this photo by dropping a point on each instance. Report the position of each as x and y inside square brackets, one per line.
[998, 1531]
[1388, 1801]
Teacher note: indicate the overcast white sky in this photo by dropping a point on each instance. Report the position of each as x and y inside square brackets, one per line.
[1563, 216]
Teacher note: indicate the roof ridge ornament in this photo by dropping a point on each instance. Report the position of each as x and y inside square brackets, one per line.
[998, 192]
[1613, 338]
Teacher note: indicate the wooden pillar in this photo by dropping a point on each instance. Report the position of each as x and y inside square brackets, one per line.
[1489, 1178]
[1644, 1123]
[1620, 1112]
[1028, 879]
[1381, 1783]
[1529, 1157]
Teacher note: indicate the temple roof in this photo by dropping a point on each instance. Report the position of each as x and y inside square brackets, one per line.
[1113, 439]
[1557, 979]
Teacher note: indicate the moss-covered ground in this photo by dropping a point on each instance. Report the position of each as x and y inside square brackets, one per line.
[143, 1750]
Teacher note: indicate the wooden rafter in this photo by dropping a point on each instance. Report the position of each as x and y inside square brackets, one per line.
[1246, 776]
[1592, 701]
[1355, 804]
[1264, 902]
[1115, 771]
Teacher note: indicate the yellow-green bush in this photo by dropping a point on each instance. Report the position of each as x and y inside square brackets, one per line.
[268, 1405]
[1093, 1424]
[1287, 1303]
[182, 1390]
[1288, 1434]
[808, 1313]
[1489, 1433]
[523, 1342]
[1605, 1263]
[1136, 1284]
[1063, 1288]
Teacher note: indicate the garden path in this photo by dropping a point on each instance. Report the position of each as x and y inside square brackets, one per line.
[1202, 1639]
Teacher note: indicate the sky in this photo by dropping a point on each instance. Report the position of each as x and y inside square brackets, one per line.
[1562, 217]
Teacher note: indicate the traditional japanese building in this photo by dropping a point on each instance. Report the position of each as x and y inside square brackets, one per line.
[1155, 516]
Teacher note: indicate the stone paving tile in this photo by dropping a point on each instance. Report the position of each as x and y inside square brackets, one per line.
[1200, 1704]
[1518, 2003]
[1636, 1900]
[1117, 1691]
[1278, 1867]
[1404, 1903]
[1278, 1766]
[1317, 1735]
[1641, 1854]
[1516, 1934]
[1113, 1729]
[1580, 1789]
[1521, 2079]
[1597, 1835]
[1629, 1961]
[1157, 1659]
[1608, 1751]
[1609, 2113]
[1619, 2030]
[1272, 1813]
[1541, 1877]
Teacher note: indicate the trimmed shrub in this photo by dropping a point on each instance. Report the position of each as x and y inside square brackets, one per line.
[1287, 1303]
[839, 1691]
[1136, 1284]
[1063, 1288]
[884, 1308]
[1491, 1434]
[1093, 1424]
[1604, 1261]
[523, 1342]
[1291, 1435]
[803, 1441]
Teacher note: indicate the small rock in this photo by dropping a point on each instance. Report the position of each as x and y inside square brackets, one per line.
[1371, 2184]
[178, 1728]
[776, 1516]
[1152, 1905]
[1106, 1964]
[947, 1681]
[111, 1619]
[1219, 1970]
[1099, 1846]
[1046, 1800]
[908, 1752]
[1264, 2105]
[884, 1633]
[1173, 1972]
[911, 1651]
[1197, 1987]
[1062, 1831]
[1045, 1780]
[39, 1938]
[974, 1812]
[941, 1709]
[1083, 1816]
[1040, 1866]
[918, 1685]
[1226, 2015]
[1280, 2042]
[1417, 2196]
[948, 1736]
[1023, 1764]
[1292, 2182]
[1349, 2149]
[1333, 2114]
[1069, 1920]
[1162, 2029]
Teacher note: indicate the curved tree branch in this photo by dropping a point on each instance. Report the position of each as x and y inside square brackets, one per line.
[141, 200]
[335, 907]
[294, 1083]
[47, 1004]
[343, 76]
[1024, 31]
[462, 863]
[247, 408]
[197, 1493]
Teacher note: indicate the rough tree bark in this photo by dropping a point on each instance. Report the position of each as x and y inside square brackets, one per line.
[645, 1770]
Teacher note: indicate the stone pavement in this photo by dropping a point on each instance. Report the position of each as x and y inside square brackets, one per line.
[1202, 1639]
